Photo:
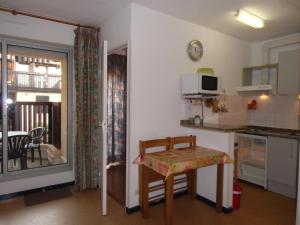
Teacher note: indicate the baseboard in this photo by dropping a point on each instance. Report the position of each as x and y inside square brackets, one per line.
[132, 209]
[21, 193]
[176, 195]
[213, 204]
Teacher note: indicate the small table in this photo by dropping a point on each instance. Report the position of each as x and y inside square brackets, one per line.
[13, 133]
[175, 161]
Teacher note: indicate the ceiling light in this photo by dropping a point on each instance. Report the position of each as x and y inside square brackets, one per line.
[249, 18]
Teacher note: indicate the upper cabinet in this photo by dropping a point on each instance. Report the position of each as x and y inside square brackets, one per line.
[259, 79]
[289, 73]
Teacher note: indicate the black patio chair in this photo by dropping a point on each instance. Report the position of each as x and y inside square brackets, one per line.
[16, 147]
[36, 135]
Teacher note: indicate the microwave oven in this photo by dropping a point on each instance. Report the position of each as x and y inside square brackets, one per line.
[200, 84]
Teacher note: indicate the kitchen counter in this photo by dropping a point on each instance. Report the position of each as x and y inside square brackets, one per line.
[269, 131]
[214, 127]
[254, 130]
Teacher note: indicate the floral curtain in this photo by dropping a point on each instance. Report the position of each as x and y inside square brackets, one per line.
[86, 56]
[116, 124]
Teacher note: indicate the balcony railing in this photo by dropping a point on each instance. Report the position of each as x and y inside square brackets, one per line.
[31, 81]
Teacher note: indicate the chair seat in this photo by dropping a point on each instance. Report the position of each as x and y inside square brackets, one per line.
[32, 145]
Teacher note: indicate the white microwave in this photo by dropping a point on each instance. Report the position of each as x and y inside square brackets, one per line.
[197, 84]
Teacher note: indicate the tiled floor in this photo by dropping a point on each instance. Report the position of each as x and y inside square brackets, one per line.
[258, 208]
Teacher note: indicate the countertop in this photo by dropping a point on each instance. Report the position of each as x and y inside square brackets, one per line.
[270, 131]
[208, 126]
[254, 130]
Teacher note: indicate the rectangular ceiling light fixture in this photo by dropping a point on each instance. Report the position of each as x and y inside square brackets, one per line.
[249, 18]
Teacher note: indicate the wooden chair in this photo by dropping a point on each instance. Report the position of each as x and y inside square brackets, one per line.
[191, 176]
[152, 175]
[190, 140]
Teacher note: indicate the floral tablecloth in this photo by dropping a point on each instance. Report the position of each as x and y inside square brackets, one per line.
[180, 160]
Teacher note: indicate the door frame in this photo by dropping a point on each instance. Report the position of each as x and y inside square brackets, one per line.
[103, 126]
[127, 163]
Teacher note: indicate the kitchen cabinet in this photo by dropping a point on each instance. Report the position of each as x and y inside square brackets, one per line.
[260, 75]
[282, 166]
[259, 79]
[289, 73]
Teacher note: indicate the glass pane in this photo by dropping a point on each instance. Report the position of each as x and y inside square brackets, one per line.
[1, 149]
[37, 108]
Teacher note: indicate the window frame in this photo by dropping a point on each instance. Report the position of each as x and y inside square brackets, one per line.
[39, 171]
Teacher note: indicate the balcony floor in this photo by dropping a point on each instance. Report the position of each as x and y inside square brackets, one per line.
[47, 160]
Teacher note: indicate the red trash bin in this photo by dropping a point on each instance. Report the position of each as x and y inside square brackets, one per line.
[236, 198]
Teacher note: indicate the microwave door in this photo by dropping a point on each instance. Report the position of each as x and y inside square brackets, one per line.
[209, 83]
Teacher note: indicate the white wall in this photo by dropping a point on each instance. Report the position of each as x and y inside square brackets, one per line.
[116, 29]
[30, 28]
[158, 59]
[257, 54]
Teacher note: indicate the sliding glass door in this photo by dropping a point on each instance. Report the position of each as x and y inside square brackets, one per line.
[35, 111]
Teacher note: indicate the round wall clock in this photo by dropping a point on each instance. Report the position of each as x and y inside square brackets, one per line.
[195, 50]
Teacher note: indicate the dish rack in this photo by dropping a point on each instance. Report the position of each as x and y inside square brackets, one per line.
[252, 158]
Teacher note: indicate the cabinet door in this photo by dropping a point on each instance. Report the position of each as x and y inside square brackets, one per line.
[289, 72]
[282, 160]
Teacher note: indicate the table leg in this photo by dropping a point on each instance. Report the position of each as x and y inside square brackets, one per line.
[144, 189]
[220, 173]
[192, 182]
[169, 201]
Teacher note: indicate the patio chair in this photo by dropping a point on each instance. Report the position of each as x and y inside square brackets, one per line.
[36, 135]
[16, 147]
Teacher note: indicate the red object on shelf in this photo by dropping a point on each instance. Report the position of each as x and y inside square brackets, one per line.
[252, 104]
[236, 198]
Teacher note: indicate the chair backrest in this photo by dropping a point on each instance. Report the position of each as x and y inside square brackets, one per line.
[37, 134]
[190, 140]
[144, 145]
[16, 145]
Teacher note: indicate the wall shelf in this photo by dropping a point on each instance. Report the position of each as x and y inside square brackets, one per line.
[258, 79]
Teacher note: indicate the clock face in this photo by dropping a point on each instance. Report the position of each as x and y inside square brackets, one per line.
[195, 50]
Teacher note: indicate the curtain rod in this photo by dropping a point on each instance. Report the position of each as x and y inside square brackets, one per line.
[15, 12]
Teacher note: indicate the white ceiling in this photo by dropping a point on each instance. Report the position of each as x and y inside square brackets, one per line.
[282, 16]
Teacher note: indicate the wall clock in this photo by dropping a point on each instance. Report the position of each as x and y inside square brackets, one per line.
[195, 50]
